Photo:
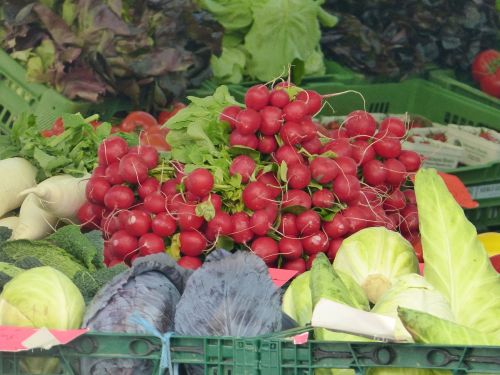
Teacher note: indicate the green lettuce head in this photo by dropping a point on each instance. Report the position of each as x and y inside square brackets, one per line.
[374, 258]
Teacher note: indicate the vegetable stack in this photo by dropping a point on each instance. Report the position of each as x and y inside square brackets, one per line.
[263, 176]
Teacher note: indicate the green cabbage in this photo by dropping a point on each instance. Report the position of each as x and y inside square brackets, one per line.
[374, 258]
[297, 301]
[412, 291]
[456, 262]
[41, 297]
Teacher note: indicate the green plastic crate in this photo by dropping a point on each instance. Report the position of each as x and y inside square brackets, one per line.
[446, 79]
[272, 355]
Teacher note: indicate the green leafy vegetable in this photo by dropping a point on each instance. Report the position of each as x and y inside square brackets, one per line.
[429, 329]
[7, 272]
[374, 258]
[73, 152]
[456, 262]
[297, 301]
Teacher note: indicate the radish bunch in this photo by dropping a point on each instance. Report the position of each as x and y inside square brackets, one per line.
[304, 187]
[328, 184]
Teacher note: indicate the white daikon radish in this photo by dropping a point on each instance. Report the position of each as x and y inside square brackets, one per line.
[61, 196]
[17, 175]
[9, 222]
[34, 222]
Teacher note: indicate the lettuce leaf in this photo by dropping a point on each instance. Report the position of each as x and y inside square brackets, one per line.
[456, 262]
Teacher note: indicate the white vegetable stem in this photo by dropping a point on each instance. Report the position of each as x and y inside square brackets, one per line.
[17, 175]
[61, 196]
[34, 222]
[9, 222]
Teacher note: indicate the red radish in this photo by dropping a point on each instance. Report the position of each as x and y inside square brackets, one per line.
[257, 97]
[289, 155]
[260, 222]
[113, 175]
[155, 202]
[244, 166]
[295, 111]
[374, 172]
[298, 176]
[169, 187]
[191, 263]
[315, 243]
[323, 198]
[150, 185]
[267, 144]
[295, 197]
[133, 169]
[284, 84]
[279, 98]
[340, 146]
[123, 217]
[272, 211]
[360, 125]
[298, 264]
[394, 126]
[333, 248]
[96, 189]
[346, 187]
[256, 196]
[199, 182]
[370, 196]
[362, 152]
[310, 261]
[410, 196]
[215, 199]
[308, 222]
[99, 172]
[409, 219]
[271, 120]
[163, 225]
[151, 243]
[221, 225]
[346, 165]
[308, 130]
[248, 121]
[111, 150]
[290, 248]
[395, 172]
[118, 197]
[323, 170]
[187, 218]
[138, 223]
[313, 146]
[148, 154]
[291, 133]
[387, 147]
[229, 115]
[410, 159]
[288, 225]
[312, 99]
[192, 243]
[242, 232]
[123, 244]
[89, 215]
[337, 227]
[271, 182]
[395, 201]
[265, 248]
[238, 139]
[338, 133]
[110, 224]
[358, 218]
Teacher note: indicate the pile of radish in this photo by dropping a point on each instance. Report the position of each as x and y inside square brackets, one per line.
[308, 189]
